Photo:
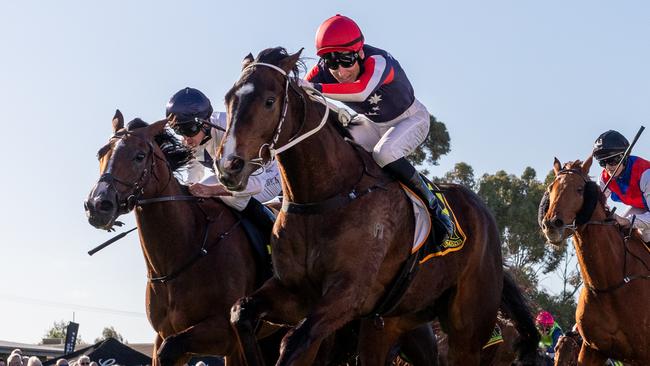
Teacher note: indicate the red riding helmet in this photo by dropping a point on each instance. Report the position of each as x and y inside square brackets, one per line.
[338, 34]
[544, 318]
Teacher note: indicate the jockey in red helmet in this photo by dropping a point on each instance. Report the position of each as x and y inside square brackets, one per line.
[391, 123]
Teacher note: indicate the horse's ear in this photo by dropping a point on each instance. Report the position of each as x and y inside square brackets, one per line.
[587, 164]
[557, 166]
[156, 128]
[289, 62]
[247, 61]
[118, 121]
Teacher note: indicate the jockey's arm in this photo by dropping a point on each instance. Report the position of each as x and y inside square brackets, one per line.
[375, 74]
[642, 220]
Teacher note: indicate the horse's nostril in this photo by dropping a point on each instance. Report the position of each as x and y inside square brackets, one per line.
[558, 223]
[106, 206]
[237, 164]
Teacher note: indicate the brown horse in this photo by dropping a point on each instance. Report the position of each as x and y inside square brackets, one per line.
[613, 313]
[345, 232]
[198, 258]
[567, 349]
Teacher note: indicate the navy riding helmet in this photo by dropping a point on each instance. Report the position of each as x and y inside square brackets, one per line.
[608, 144]
[188, 104]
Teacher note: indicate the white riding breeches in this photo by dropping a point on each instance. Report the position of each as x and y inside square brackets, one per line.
[389, 141]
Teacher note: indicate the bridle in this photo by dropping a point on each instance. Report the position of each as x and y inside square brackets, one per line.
[582, 217]
[133, 199]
[608, 221]
[137, 186]
[296, 139]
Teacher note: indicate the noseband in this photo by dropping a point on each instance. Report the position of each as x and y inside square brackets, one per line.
[273, 151]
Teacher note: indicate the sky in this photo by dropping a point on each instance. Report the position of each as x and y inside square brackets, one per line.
[516, 83]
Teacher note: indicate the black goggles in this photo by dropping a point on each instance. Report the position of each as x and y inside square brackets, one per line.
[188, 128]
[611, 161]
[335, 59]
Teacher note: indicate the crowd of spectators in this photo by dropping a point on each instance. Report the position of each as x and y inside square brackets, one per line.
[16, 358]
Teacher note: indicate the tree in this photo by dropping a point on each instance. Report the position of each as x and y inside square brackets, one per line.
[110, 332]
[434, 146]
[58, 330]
[462, 174]
[514, 202]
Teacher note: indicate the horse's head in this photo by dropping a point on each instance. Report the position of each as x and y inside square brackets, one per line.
[259, 115]
[567, 349]
[127, 166]
[570, 200]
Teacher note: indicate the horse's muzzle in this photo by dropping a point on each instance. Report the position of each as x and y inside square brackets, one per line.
[232, 173]
[554, 230]
[101, 207]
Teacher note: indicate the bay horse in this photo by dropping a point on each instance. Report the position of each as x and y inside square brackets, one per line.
[613, 312]
[198, 258]
[346, 230]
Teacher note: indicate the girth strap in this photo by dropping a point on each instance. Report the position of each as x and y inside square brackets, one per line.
[338, 201]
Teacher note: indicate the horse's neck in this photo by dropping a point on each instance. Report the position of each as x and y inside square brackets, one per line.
[166, 228]
[319, 167]
[600, 249]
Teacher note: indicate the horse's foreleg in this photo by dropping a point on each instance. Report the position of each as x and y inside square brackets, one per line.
[273, 302]
[212, 336]
[590, 357]
[301, 344]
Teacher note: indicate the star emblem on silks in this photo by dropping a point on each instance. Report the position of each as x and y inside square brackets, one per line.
[374, 99]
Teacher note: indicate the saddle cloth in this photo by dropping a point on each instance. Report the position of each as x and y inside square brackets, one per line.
[423, 238]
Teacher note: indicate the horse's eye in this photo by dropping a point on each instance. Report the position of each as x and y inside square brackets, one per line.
[581, 189]
[269, 102]
[139, 157]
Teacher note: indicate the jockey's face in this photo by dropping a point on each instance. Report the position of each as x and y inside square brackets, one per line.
[348, 74]
[194, 141]
[612, 171]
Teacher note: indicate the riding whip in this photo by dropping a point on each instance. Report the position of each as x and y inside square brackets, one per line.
[109, 242]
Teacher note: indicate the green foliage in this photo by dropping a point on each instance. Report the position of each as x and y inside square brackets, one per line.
[58, 330]
[110, 332]
[514, 202]
[462, 174]
[434, 146]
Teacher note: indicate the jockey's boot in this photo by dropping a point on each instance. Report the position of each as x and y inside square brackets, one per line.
[406, 173]
[261, 216]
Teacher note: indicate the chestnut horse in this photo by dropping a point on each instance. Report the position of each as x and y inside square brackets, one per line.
[345, 232]
[198, 258]
[567, 349]
[613, 312]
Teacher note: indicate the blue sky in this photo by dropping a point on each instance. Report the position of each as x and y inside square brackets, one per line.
[516, 82]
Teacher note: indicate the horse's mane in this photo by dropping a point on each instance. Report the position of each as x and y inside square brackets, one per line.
[577, 165]
[275, 55]
[177, 155]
